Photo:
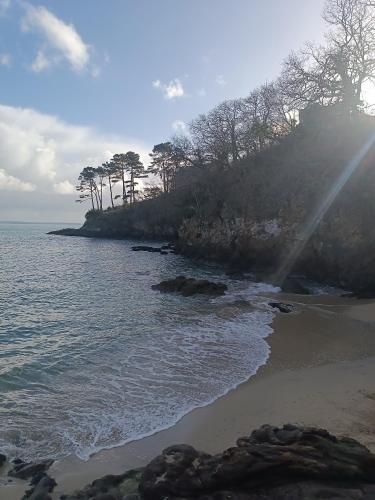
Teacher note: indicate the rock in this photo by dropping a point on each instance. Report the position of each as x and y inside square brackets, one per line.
[142, 248]
[282, 464]
[43, 485]
[294, 286]
[3, 459]
[284, 308]
[28, 470]
[124, 486]
[191, 286]
[235, 274]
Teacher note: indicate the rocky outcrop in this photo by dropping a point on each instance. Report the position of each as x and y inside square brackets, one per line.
[27, 470]
[41, 487]
[288, 463]
[124, 487]
[191, 286]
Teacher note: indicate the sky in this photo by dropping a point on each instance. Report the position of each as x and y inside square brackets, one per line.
[81, 80]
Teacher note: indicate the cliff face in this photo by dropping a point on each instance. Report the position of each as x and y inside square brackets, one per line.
[342, 255]
[307, 205]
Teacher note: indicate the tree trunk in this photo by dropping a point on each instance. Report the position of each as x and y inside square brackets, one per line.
[110, 190]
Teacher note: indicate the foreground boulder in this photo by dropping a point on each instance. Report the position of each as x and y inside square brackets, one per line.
[42, 486]
[191, 286]
[283, 464]
[124, 487]
[288, 463]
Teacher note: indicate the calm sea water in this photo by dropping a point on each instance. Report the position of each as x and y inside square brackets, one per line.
[91, 357]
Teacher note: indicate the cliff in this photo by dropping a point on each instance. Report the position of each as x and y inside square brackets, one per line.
[306, 205]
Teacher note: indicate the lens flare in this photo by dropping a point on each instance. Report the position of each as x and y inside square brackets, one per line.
[315, 218]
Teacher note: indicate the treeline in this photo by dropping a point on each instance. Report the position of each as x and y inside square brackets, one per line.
[333, 76]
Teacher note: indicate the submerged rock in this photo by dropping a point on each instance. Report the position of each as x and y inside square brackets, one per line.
[143, 248]
[191, 286]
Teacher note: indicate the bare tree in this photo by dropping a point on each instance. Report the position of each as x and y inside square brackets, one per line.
[337, 72]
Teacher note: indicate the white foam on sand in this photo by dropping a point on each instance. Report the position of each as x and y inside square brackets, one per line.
[155, 378]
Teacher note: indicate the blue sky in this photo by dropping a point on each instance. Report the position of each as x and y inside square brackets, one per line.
[81, 79]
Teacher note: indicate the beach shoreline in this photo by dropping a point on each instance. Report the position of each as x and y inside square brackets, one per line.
[319, 373]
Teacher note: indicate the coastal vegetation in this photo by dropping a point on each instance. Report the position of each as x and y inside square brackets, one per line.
[315, 83]
[263, 177]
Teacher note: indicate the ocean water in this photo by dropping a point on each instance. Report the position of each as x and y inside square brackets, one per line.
[91, 357]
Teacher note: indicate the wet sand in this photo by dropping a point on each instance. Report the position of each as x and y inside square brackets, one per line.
[321, 372]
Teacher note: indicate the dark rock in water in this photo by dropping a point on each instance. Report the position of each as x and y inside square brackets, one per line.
[143, 248]
[43, 486]
[282, 464]
[3, 459]
[28, 470]
[235, 274]
[17, 461]
[124, 487]
[294, 286]
[191, 286]
[284, 308]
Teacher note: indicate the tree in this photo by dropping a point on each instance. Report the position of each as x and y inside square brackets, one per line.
[337, 72]
[101, 175]
[110, 170]
[151, 192]
[119, 160]
[164, 164]
[88, 187]
[218, 133]
[134, 168]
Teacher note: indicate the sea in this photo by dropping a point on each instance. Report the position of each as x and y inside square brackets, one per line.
[91, 357]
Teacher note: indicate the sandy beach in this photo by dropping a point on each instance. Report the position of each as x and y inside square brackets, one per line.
[320, 372]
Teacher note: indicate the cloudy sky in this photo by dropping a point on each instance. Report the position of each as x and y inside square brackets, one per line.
[83, 79]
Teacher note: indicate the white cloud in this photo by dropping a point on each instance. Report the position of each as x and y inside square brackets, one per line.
[179, 126]
[220, 80]
[172, 90]
[202, 92]
[40, 62]
[10, 183]
[60, 37]
[5, 59]
[64, 187]
[42, 152]
[4, 6]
